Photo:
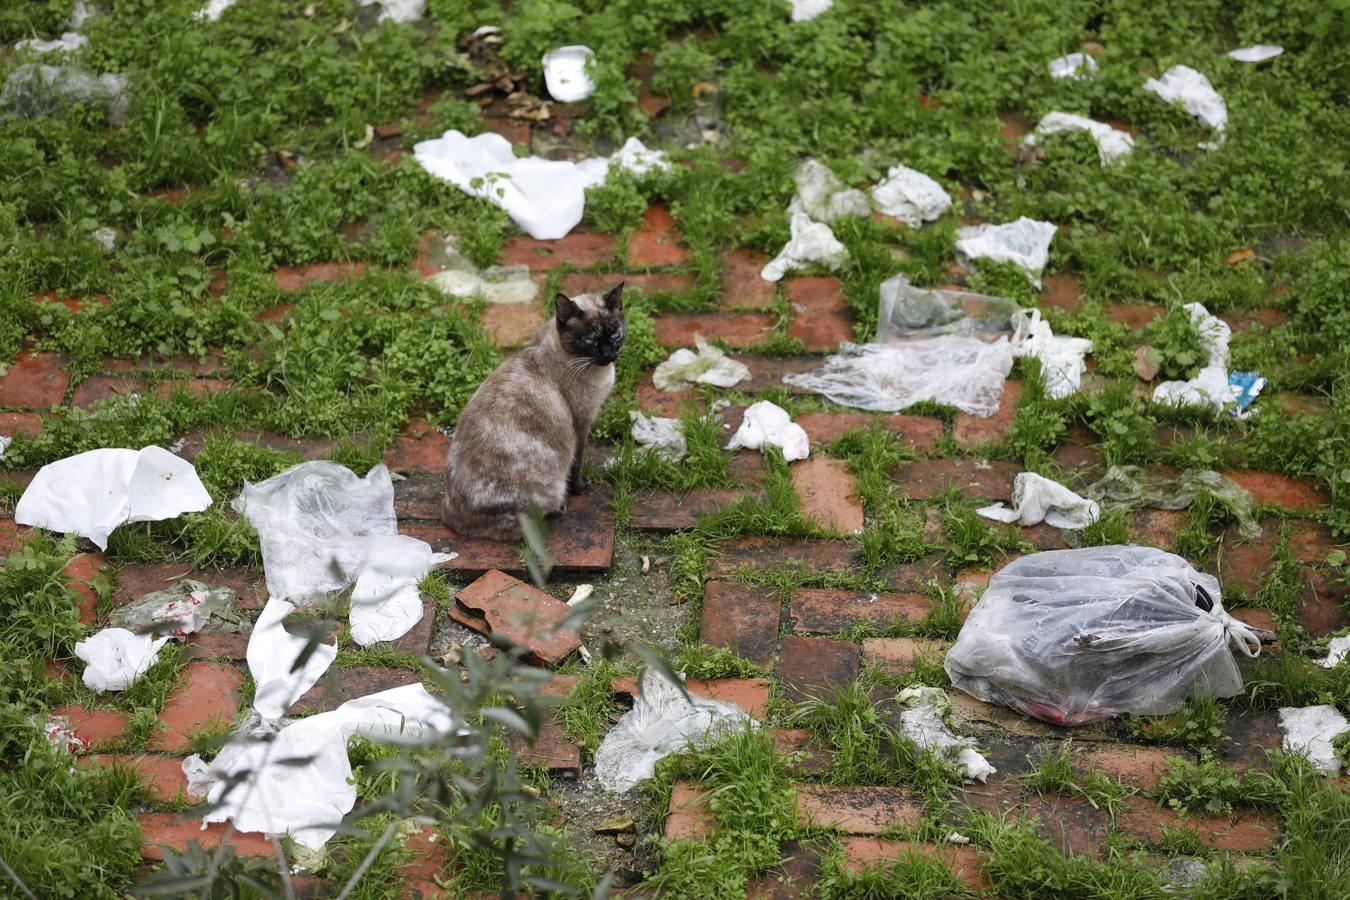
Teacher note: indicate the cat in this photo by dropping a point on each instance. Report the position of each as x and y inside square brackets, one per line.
[520, 440]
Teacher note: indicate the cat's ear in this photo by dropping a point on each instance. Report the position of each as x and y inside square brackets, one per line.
[567, 310]
[614, 299]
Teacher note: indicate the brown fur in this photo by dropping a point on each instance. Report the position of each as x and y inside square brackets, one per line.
[521, 438]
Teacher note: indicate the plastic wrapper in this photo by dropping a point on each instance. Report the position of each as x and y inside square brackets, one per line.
[710, 365]
[272, 653]
[33, 91]
[186, 607]
[1076, 636]
[805, 10]
[1129, 488]
[213, 10]
[812, 243]
[115, 658]
[1193, 92]
[1257, 53]
[766, 424]
[660, 435]
[1075, 66]
[822, 196]
[921, 720]
[906, 311]
[565, 73]
[1210, 386]
[1337, 650]
[910, 196]
[68, 41]
[1024, 242]
[1309, 732]
[1112, 144]
[1036, 499]
[1063, 359]
[459, 277]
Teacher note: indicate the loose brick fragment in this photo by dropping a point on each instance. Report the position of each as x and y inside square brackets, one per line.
[504, 607]
[741, 618]
[820, 316]
[821, 611]
[657, 242]
[741, 283]
[206, 696]
[813, 667]
[34, 381]
[177, 831]
[736, 329]
[858, 810]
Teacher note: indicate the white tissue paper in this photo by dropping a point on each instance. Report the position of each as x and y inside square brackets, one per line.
[1075, 65]
[1210, 385]
[271, 654]
[1337, 650]
[805, 10]
[386, 603]
[767, 424]
[1258, 53]
[201, 775]
[1309, 731]
[660, 435]
[1112, 144]
[69, 40]
[1184, 85]
[308, 801]
[811, 243]
[1025, 242]
[823, 197]
[710, 365]
[91, 493]
[545, 197]
[1062, 358]
[921, 722]
[1036, 499]
[910, 196]
[398, 10]
[660, 723]
[116, 658]
[212, 11]
[565, 73]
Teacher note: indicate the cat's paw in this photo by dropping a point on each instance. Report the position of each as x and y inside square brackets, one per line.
[578, 485]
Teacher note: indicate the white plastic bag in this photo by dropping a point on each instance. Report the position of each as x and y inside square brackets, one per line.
[823, 197]
[1257, 53]
[660, 435]
[1210, 386]
[1186, 86]
[1310, 730]
[1337, 650]
[1036, 498]
[1075, 66]
[767, 424]
[710, 365]
[910, 196]
[1112, 143]
[565, 73]
[1062, 358]
[271, 654]
[68, 41]
[115, 658]
[811, 243]
[805, 10]
[398, 10]
[1025, 242]
[921, 722]
[1075, 636]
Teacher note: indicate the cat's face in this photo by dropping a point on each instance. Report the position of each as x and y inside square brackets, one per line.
[592, 327]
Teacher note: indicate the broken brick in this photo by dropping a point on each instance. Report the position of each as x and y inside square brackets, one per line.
[205, 696]
[828, 494]
[741, 618]
[551, 749]
[820, 611]
[813, 667]
[508, 609]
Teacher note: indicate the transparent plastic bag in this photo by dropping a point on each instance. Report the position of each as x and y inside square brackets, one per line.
[906, 311]
[1075, 636]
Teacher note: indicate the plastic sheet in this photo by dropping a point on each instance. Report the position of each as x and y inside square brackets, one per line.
[32, 91]
[812, 243]
[68, 41]
[1112, 144]
[496, 284]
[1192, 90]
[906, 311]
[1257, 53]
[1075, 66]
[661, 722]
[1062, 358]
[1075, 636]
[565, 73]
[213, 10]
[115, 658]
[1036, 499]
[92, 493]
[1025, 242]
[921, 721]
[660, 435]
[710, 365]
[1129, 488]
[1337, 650]
[910, 196]
[805, 10]
[271, 655]
[823, 197]
[1309, 732]
[398, 10]
[1244, 387]
[5, 441]
[766, 424]
[386, 602]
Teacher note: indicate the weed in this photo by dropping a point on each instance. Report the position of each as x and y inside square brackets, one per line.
[1056, 775]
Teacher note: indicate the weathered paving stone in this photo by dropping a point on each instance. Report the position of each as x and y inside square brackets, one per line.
[1138, 767]
[206, 696]
[296, 278]
[820, 318]
[741, 283]
[1063, 291]
[767, 372]
[973, 478]
[809, 757]
[14, 424]
[828, 494]
[1244, 565]
[916, 576]
[1323, 608]
[82, 570]
[512, 324]
[428, 859]
[736, 329]
[418, 497]
[94, 726]
[135, 580]
[761, 552]
[665, 511]
[657, 242]
[858, 810]
[34, 381]
[162, 775]
[1253, 734]
[898, 655]
[821, 611]
[973, 431]
[965, 862]
[551, 749]
[177, 831]
[750, 694]
[794, 875]
[1134, 315]
[645, 282]
[504, 607]
[920, 433]
[1142, 819]
[1156, 527]
[812, 667]
[741, 618]
[1272, 489]
[688, 817]
[419, 447]
[579, 249]
[337, 686]
[225, 645]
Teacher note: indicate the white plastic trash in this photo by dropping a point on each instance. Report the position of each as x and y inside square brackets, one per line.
[906, 311]
[660, 435]
[1112, 143]
[921, 720]
[1037, 499]
[116, 658]
[812, 243]
[1257, 53]
[1210, 386]
[1062, 358]
[68, 41]
[272, 653]
[1192, 90]
[805, 10]
[910, 196]
[398, 10]
[1025, 242]
[565, 73]
[1337, 650]
[213, 10]
[1309, 732]
[766, 424]
[1075, 65]
[709, 365]
[823, 197]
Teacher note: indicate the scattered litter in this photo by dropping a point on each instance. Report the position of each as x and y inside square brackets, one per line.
[767, 424]
[116, 658]
[398, 10]
[1112, 143]
[585, 654]
[32, 91]
[300, 781]
[5, 441]
[496, 284]
[1337, 650]
[82, 13]
[635, 158]
[1128, 488]
[1025, 242]
[1075, 66]
[565, 73]
[910, 196]
[581, 594]
[661, 722]
[68, 41]
[272, 653]
[1075, 636]
[106, 238]
[386, 602]
[1186, 86]
[823, 197]
[906, 311]
[1257, 53]
[957, 837]
[646, 564]
[710, 365]
[1062, 358]
[1212, 386]
[91, 493]
[201, 775]
[811, 243]
[662, 436]
[212, 11]
[805, 10]
[62, 736]
[1036, 499]
[186, 607]
[922, 722]
[1310, 730]
[1245, 388]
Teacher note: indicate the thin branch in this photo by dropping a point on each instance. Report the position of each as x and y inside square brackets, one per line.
[283, 868]
[368, 861]
[14, 877]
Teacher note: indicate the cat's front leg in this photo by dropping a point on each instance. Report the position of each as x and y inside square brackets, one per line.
[576, 482]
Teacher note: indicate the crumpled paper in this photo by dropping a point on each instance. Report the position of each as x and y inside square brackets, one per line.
[1075, 66]
[213, 10]
[308, 801]
[1036, 499]
[1310, 730]
[116, 658]
[62, 736]
[1337, 650]
[69, 40]
[910, 196]
[805, 10]
[271, 655]
[91, 493]
[544, 197]
[660, 435]
[1128, 488]
[1186, 86]
[906, 311]
[710, 365]
[811, 243]
[1112, 144]
[201, 775]
[823, 197]
[398, 10]
[660, 723]
[921, 721]
[565, 73]
[1210, 385]
[767, 424]
[1258, 53]
[1025, 242]
[1062, 358]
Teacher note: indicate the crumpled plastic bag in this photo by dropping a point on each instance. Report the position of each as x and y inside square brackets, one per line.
[906, 311]
[201, 775]
[954, 370]
[1191, 89]
[1257, 53]
[1025, 242]
[1062, 358]
[1075, 66]
[115, 658]
[910, 196]
[1211, 387]
[921, 721]
[805, 10]
[660, 435]
[5, 441]
[1128, 488]
[1036, 498]
[214, 9]
[565, 73]
[1112, 144]
[1337, 650]
[496, 284]
[309, 800]
[661, 722]
[822, 196]
[710, 365]
[91, 493]
[811, 243]
[766, 424]
[271, 655]
[1076, 636]
[68, 41]
[385, 601]
[32, 91]
[185, 608]
[1309, 732]
[398, 10]
[1245, 387]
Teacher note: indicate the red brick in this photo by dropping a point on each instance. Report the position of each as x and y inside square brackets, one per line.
[858, 810]
[135, 580]
[1324, 597]
[965, 862]
[418, 447]
[759, 552]
[820, 611]
[897, 655]
[813, 667]
[94, 726]
[916, 576]
[195, 387]
[655, 402]
[750, 694]
[512, 324]
[974, 479]
[736, 329]
[767, 371]
[176, 832]
[1063, 291]
[820, 317]
[1138, 767]
[103, 387]
[1072, 824]
[551, 749]
[1135, 315]
[1015, 127]
[15, 424]
[206, 695]
[162, 776]
[741, 618]
[1249, 832]
[578, 249]
[337, 686]
[828, 494]
[1156, 527]
[73, 303]
[1271, 489]
[513, 131]
[741, 284]
[217, 645]
[920, 433]
[652, 105]
[274, 314]
[688, 816]
[1300, 404]
[664, 511]
[429, 854]
[296, 278]
[1265, 317]
[34, 381]
[801, 742]
[81, 571]
[972, 431]
[648, 283]
[657, 241]
[419, 497]
[506, 608]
